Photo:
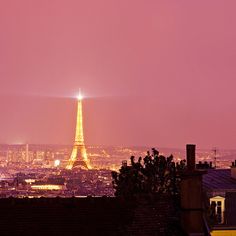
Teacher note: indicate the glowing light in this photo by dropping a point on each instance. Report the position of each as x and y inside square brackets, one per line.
[57, 163]
[79, 151]
[47, 187]
[29, 181]
[80, 97]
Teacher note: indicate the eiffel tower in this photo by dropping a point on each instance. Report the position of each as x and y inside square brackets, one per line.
[78, 156]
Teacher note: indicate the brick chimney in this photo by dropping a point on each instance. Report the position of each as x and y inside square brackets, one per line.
[233, 170]
[191, 196]
[190, 149]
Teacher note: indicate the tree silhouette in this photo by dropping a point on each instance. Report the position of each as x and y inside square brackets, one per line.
[154, 174]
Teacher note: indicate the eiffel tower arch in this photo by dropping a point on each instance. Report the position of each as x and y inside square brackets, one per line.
[79, 158]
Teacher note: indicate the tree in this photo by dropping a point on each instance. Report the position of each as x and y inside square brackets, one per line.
[154, 174]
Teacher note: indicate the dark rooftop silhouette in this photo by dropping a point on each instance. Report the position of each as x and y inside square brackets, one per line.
[218, 179]
[88, 216]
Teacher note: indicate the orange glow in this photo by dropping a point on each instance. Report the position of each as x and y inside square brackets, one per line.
[57, 163]
[29, 181]
[47, 187]
[79, 151]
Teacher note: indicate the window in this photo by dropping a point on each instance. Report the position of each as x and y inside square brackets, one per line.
[218, 203]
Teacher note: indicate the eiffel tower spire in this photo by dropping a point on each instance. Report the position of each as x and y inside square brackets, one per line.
[79, 155]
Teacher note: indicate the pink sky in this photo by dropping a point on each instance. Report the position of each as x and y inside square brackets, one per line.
[156, 73]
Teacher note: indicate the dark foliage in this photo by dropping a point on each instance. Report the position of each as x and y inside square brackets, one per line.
[154, 174]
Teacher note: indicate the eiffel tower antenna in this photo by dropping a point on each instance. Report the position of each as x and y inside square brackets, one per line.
[79, 154]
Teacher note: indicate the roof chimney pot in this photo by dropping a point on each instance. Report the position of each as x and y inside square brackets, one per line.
[190, 148]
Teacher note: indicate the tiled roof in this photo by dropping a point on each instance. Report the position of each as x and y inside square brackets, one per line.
[218, 179]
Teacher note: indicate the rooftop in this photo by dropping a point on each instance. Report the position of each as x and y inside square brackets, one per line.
[219, 179]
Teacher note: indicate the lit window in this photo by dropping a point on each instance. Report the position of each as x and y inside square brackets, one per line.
[218, 203]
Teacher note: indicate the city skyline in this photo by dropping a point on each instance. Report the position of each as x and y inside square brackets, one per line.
[157, 74]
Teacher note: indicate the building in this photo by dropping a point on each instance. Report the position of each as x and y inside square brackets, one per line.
[220, 190]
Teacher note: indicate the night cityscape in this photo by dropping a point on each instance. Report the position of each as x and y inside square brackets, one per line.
[40, 170]
[117, 118]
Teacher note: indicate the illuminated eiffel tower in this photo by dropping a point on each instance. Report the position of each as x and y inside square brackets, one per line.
[79, 155]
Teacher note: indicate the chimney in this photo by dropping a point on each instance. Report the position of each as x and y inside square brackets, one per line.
[191, 196]
[233, 170]
[190, 148]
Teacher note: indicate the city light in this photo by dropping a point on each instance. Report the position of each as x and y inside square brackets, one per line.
[57, 163]
[29, 181]
[79, 153]
[47, 187]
